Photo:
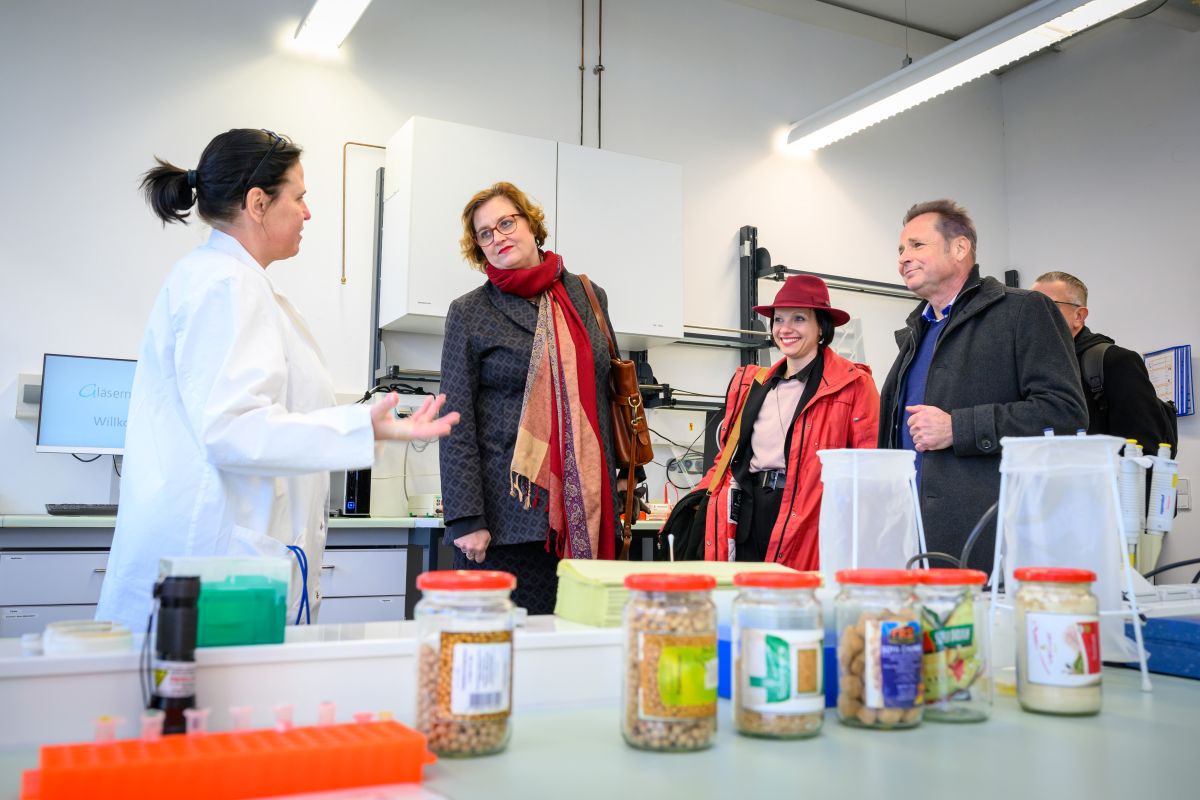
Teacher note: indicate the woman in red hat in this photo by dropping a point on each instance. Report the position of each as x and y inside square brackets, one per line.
[766, 506]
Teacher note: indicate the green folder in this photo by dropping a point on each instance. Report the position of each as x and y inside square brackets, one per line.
[593, 592]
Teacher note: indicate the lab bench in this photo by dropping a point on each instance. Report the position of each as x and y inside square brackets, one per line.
[51, 568]
[566, 738]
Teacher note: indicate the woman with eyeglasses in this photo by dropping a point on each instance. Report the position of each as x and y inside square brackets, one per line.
[232, 429]
[767, 504]
[529, 475]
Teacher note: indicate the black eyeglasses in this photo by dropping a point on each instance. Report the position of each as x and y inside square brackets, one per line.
[506, 225]
[276, 141]
[1066, 303]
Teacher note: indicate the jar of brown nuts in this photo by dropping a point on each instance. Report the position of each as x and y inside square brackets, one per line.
[778, 655]
[879, 649]
[464, 660]
[670, 691]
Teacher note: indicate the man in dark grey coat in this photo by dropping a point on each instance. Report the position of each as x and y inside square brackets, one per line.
[978, 361]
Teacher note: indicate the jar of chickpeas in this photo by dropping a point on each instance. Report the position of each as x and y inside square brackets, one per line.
[778, 655]
[670, 646]
[464, 660]
[958, 683]
[879, 649]
[1058, 641]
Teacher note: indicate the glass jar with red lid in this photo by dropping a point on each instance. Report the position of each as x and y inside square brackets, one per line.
[464, 660]
[1058, 640]
[669, 696]
[778, 655]
[879, 648]
[957, 655]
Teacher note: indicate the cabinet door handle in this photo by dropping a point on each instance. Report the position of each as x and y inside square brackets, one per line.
[100, 569]
[327, 566]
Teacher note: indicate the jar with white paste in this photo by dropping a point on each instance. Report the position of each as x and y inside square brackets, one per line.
[1058, 641]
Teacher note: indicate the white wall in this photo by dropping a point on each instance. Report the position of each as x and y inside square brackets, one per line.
[1102, 174]
[92, 91]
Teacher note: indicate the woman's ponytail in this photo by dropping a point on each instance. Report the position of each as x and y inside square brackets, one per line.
[170, 191]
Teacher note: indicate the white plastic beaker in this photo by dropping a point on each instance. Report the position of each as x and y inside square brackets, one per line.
[869, 510]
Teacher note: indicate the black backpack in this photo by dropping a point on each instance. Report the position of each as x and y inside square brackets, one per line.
[686, 522]
[1091, 365]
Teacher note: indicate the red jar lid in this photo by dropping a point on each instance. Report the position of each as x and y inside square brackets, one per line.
[950, 577]
[877, 577]
[466, 580]
[1054, 574]
[778, 580]
[669, 582]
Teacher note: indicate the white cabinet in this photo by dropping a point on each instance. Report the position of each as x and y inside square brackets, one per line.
[620, 221]
[432, 169]
[615, 217]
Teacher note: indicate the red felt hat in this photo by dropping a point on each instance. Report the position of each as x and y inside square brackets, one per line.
[804, 291]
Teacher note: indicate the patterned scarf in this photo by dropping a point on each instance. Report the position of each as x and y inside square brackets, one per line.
[558, 449]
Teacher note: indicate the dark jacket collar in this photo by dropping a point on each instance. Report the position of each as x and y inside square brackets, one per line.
[1086, 338]
[525, 313]
[976, 294]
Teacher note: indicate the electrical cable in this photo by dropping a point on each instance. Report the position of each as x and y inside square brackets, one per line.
[599, 71]
[686, 450]
[84, 460]
[987, 517]
[304, 608]
[144, 660]
[933, 554]
[693, 394]
[582, 68]
[116, 469]
[1174, 565]
[1146, 14]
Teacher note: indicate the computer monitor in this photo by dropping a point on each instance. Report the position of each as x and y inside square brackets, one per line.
[85, 404]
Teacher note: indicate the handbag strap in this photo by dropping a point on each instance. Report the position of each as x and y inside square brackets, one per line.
[627, 534]
[627, 523]
[734, 434]
[601, 317]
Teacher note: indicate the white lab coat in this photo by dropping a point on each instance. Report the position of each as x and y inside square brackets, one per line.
[232, 432]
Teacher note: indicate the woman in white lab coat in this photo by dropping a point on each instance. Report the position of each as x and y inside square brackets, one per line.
[232, 426]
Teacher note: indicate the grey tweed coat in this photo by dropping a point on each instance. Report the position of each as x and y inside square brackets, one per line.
[485, 360]
[1004, 366]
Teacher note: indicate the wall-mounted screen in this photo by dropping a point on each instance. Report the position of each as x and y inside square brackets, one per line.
[85, 404]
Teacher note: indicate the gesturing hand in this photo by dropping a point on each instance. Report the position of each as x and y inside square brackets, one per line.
[424, 423]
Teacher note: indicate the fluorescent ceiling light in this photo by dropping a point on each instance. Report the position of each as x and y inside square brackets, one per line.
[1022, 33]
[328, 23]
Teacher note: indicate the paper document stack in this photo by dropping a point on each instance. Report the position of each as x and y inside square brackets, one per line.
[593, 592]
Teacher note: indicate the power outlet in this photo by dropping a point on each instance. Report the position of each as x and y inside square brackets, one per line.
[29, 395]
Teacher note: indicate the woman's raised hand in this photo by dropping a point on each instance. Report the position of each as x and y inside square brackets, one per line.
[424, 423]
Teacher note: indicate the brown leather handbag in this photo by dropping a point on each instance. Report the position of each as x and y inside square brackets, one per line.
[631, 430]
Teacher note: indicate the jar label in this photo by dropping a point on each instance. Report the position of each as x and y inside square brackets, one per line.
[782, 671]
[1063, 649]
[951, 662]
[677, 675]
[475, 675]
[892, 664]
[174, 679]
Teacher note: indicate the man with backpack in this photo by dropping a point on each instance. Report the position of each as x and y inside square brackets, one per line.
[1121, 401]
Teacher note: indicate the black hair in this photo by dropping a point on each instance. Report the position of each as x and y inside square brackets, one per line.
[824, 326]
[232, 164]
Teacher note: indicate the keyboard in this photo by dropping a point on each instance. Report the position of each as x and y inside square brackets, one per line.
[81, 509]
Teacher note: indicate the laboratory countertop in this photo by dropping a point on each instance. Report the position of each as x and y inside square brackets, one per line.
[1141, 745]
[48, 521]
[346, 640]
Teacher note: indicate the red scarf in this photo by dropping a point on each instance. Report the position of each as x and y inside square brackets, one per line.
[559, 448]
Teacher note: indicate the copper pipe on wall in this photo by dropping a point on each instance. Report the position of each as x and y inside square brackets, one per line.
[345, 147]
[582, 68]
